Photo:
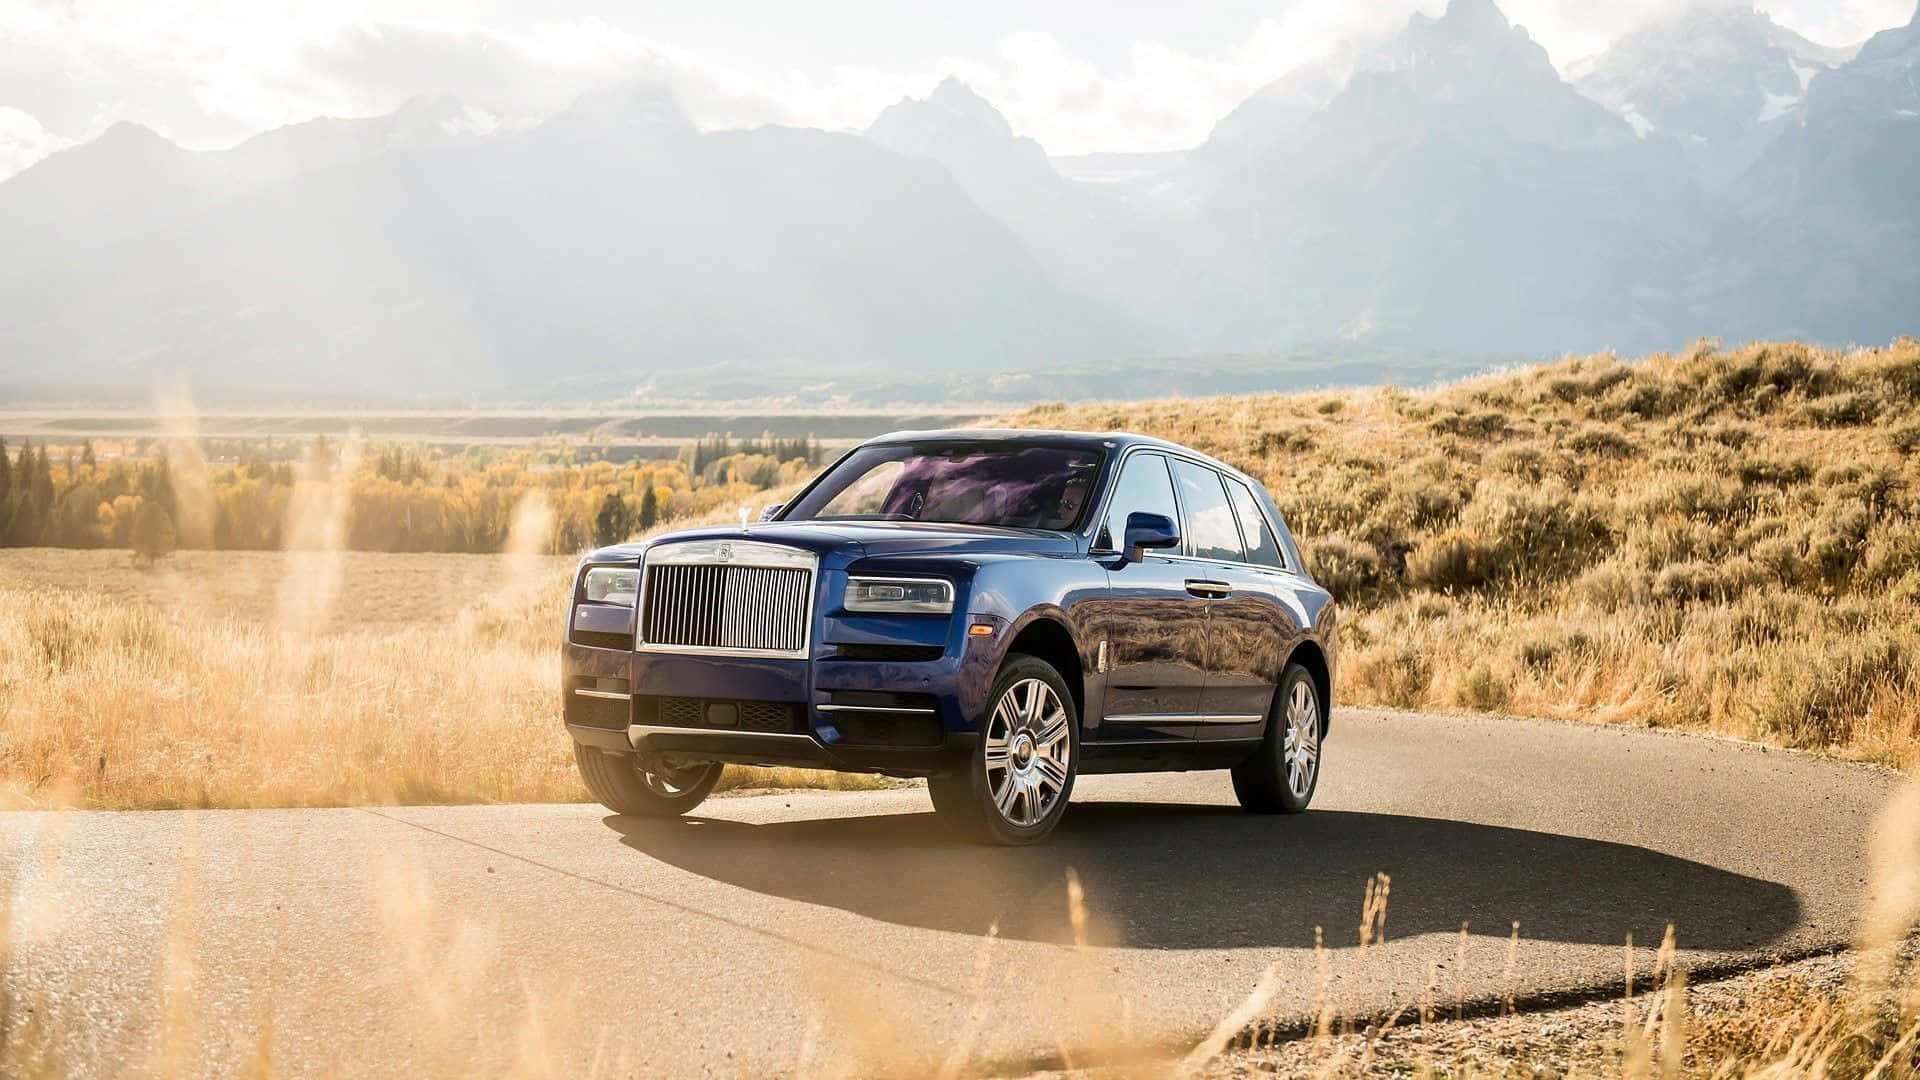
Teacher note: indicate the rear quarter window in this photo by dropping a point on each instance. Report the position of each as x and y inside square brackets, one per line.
[1262, 548]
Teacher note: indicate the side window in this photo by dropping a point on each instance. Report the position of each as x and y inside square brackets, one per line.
[1211, 530]
[1143, 487]
[1262, 548]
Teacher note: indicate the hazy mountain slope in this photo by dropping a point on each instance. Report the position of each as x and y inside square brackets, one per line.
[1830, 214]
[1281, 108]
[131, 180]
[1085, 236]
[1465, 197]
[1721, 79]
[1453, 194]
[614, 237]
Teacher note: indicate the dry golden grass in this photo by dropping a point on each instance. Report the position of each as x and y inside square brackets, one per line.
[1725, 540]
[232, 679]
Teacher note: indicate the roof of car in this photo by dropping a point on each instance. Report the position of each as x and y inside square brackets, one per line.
[1094, 440]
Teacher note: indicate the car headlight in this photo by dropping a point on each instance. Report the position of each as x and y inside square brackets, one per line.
[611, 585]
[916, 596]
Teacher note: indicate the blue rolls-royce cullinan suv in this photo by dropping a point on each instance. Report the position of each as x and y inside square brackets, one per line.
[997, 611]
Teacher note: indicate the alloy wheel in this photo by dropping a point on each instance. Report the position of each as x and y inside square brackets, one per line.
[1028, 752]
[1301, 749]
[670, 780]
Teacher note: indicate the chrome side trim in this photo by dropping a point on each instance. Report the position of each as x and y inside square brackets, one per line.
[639, 733]
[877, 708]
[1186, 718]
[610, 695]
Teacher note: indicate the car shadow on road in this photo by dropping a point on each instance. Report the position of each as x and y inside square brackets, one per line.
[1161, 875]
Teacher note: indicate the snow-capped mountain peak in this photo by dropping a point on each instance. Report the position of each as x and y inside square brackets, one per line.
[1710, 73]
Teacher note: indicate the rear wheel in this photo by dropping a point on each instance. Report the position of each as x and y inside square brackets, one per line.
[653, 787]
[1017, 783]
[1280, 776]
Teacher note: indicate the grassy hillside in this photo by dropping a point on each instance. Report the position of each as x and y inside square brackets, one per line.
[1726, 539]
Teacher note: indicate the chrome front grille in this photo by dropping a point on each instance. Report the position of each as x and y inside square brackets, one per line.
[729, 596]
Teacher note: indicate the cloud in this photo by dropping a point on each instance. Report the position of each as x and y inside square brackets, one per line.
[23, 141]
[211, 74]
[1165, 99]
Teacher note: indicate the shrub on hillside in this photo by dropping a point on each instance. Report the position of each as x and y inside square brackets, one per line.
[1596, 440]
[1345, 568]
[1816, 700]
[1756, 377]
[1709, 581]
[1512, 534]
[1484, 424]
[1395, 675]
[1892, 552]
[1645, 398]
[1776, 472]
[1897, 367]
[1481, 688]
[1849, 408]
[1522, 461]
[1873, 485]
[1836, 541]
[1692, 496]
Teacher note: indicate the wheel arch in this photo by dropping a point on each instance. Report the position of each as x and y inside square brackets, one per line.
[1047, 636]
[1309, 655]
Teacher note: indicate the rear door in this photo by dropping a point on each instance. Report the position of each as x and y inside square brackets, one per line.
[1154, 631]
[1244, 628]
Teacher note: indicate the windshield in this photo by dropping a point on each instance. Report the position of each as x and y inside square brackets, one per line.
[1012, 486]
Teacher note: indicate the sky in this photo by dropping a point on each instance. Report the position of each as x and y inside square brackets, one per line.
[1079, 76]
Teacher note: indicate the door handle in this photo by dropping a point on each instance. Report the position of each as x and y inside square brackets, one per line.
[1212, 589]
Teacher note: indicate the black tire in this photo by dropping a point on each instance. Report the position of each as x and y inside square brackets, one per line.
[1265, 782]
[1036, 762]
[619, 783]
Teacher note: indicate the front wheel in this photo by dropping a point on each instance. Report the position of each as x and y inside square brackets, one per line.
[1015, 787]
[1280, 776]
[625, 784]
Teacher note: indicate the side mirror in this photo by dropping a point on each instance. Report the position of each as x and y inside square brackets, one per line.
[1145, 531]
[771, 509]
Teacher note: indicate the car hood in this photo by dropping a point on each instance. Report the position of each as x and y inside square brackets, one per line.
[860, 539]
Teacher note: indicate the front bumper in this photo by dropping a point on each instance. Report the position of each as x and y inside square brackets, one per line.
[614, 703]
[799, 751]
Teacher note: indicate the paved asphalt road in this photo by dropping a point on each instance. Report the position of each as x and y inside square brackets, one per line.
[803, 931]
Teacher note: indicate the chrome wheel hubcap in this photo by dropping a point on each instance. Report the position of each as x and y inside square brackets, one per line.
[1301, 750]
[670, 780]
[1028, 751]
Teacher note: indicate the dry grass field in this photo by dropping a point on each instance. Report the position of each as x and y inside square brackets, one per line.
[1719, 540]
[228, 679]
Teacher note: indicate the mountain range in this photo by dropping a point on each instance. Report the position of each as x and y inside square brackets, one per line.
[1441, 188]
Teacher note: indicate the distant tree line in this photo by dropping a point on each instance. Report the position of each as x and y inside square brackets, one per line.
[394, 498]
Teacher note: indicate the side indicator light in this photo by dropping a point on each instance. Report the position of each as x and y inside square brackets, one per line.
[980, 630]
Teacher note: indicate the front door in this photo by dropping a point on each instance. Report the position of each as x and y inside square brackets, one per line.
[1153, 627]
